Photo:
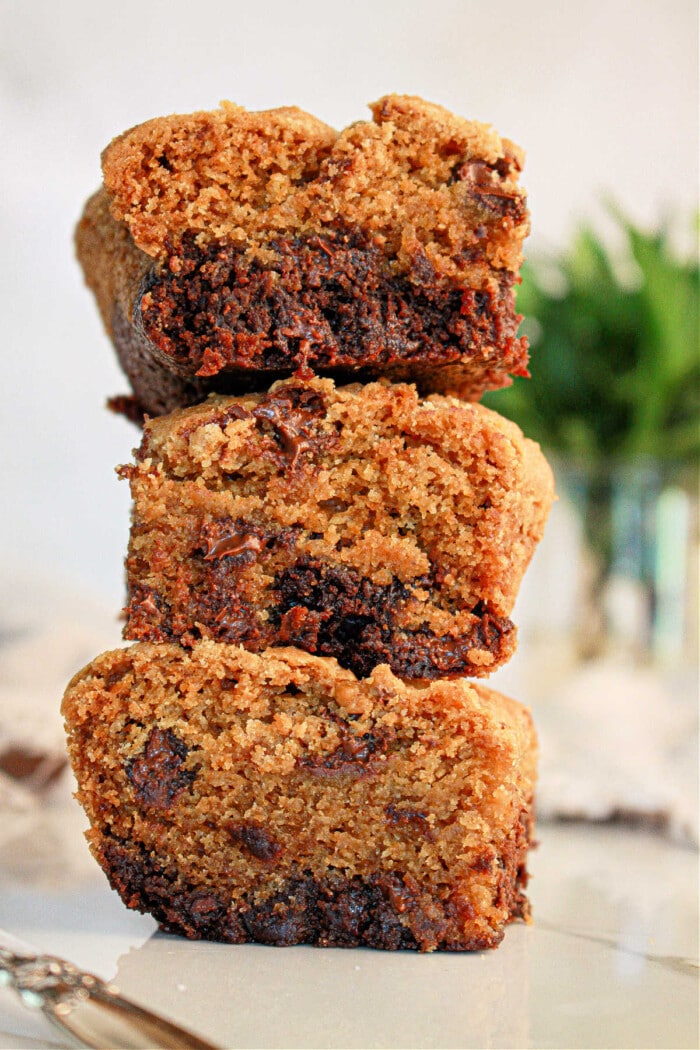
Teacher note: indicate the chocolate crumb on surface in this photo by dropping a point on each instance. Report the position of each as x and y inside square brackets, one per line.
[36, 770]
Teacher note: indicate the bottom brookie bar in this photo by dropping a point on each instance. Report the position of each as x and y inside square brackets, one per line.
[276, 798]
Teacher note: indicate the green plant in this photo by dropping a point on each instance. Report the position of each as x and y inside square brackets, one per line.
[615, 362]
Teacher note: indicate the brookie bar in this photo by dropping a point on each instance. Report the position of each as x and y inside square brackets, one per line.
[229, 248]
[359, 522]
[275, 798]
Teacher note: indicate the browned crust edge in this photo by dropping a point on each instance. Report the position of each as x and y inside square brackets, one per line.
[383, 911]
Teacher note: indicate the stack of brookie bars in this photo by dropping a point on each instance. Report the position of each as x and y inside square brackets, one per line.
[328, 531]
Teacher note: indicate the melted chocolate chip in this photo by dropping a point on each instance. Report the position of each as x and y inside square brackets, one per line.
[159, 774]
[241, 541]
[233, 544]
[410, 817]
[354, 754]
[255, 840]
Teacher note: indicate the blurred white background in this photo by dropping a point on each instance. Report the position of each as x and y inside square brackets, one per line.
[602, 95]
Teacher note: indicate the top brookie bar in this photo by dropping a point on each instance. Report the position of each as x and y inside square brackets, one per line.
[229, 248]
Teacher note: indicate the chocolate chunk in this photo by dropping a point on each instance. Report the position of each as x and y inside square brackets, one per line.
[353, 755]
[232, 412]
[255, 840]
[484, 182]
[292, 414]
[410, 817]
[159, 773]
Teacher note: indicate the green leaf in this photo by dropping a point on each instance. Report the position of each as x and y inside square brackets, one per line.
[615, 363]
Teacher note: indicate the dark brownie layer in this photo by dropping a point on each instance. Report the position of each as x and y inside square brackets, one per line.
[213, 320]
[332, 611]
[324, 610]
[382, 911]
[328, 301]
[156, 389]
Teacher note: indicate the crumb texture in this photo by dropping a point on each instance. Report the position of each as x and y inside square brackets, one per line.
[417, 179]
[359, 522]
[277, 798]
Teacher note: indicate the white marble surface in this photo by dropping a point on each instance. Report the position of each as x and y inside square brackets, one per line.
[611, 961]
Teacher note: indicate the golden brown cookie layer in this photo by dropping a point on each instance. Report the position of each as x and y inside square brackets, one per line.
[276, 798]
[227, 245]
[359, 522]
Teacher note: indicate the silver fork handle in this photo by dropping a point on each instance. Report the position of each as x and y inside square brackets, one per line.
[89, 1010]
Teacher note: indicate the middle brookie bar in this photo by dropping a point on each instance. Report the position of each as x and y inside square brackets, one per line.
[359, 522]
